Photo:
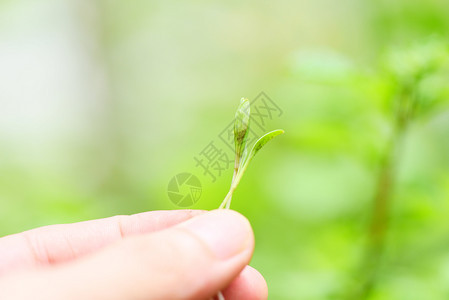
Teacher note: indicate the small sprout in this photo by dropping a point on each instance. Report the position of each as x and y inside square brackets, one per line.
[243, 156]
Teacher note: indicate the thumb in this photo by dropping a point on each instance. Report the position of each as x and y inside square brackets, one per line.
[193, 260]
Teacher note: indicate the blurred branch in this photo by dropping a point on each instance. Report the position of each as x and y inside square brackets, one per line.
[378, 229]
[408, 69]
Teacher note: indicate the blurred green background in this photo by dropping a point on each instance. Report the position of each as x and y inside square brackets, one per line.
[103, 102]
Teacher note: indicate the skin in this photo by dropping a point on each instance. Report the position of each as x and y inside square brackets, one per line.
[182, 254]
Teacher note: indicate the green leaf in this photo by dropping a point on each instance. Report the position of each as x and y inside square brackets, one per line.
[247, 157]
[241, 126]
[264, 140]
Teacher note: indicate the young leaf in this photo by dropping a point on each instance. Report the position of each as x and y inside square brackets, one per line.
[241, 127]
[264, 140]
[259, 145]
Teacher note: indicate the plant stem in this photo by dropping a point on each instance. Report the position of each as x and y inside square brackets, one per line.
[227, 200]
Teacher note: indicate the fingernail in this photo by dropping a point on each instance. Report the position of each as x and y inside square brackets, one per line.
[225, 232]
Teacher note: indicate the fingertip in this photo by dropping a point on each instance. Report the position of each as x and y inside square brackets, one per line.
[259, 284]
[249, 285]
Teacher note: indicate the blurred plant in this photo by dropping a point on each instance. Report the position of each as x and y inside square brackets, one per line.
[412, 72]
[243, 156]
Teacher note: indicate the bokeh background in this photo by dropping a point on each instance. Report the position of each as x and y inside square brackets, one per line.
[103, 102]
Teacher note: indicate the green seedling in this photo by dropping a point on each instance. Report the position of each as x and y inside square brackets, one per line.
[244, 154]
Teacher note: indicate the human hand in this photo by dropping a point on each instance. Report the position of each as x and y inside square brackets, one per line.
[182, 254]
